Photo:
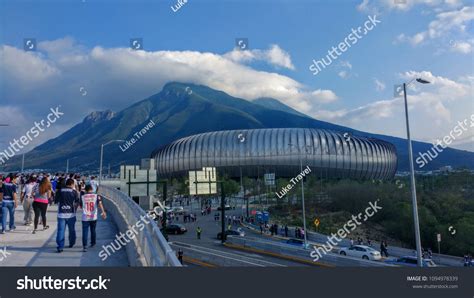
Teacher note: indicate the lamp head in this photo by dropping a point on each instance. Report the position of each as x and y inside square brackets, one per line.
[422, 81]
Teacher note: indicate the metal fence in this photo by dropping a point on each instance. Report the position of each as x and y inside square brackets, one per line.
[152, 247]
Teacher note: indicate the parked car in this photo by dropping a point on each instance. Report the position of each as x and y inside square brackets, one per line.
[411, 261]
[361, 251]
[237, 232]
[226, 207]
[295, 242]
[176, 229]
[178, 210]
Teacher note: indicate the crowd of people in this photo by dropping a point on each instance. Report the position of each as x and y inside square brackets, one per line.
[36, 192]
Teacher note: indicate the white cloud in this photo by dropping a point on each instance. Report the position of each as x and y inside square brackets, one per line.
[346, 72]
[405, 5]
[451, 20]
[117, 77]
[274, 55]
[346, 64]
[434, 109]
[325, 96]
[38, 69]
[463, 47]
[446, 23]
[343, 74]
[379, 86]
[363, 6]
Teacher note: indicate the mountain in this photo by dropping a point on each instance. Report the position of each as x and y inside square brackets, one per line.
[181, 110]
[274, 104]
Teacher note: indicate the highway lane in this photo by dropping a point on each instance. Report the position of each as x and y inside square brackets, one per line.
[209, 249]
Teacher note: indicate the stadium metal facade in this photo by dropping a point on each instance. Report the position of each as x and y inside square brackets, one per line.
[279, 150]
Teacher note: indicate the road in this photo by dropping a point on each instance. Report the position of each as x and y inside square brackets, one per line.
[209, 241]
[209, 249]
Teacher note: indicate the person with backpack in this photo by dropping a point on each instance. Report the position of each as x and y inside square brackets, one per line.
[90, 202]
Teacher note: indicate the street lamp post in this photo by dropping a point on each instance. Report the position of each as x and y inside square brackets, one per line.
[67, 163]
[302, 192]
[412, 175]
[102, 155]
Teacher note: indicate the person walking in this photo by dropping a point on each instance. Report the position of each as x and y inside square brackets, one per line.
[198, 232]
[94, 184]
[27, 200]
[180, 256]
[67, 200]
[383, 248]
[9, 202]
[89, 203]
[42, 193]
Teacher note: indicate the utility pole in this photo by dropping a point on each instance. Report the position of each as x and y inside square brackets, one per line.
[412, 184]
[302, 192]
[223, 238]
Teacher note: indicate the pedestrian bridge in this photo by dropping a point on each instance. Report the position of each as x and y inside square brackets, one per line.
[146, 248]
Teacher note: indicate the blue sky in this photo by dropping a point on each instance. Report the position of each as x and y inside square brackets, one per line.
[86, 44]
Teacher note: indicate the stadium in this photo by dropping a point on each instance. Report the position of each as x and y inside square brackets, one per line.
[282, 151]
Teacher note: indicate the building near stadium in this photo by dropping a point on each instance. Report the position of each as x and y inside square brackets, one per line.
[254, 152]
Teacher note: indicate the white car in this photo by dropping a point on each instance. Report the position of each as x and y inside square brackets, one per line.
[361, 251]
[177, 210]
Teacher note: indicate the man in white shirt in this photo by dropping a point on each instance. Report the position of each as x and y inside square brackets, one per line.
[94, 184]
[90, 203]
[27, 200]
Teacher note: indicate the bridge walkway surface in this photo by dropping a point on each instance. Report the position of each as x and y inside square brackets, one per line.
[24, 249]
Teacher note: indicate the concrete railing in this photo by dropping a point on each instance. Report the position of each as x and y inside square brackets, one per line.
[149, 247]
